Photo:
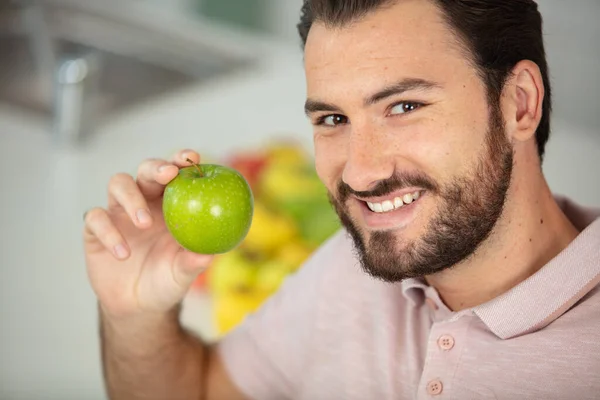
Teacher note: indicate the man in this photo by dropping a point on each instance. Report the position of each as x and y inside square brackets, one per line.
[458, 274]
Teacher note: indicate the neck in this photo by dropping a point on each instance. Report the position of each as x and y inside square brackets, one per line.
[531, 231]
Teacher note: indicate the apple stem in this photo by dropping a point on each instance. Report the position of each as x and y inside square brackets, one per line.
[195, 165]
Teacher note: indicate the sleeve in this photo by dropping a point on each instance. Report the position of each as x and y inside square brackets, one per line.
[266, 354]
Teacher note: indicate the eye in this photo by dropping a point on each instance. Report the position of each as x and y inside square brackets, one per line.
[332, 120]
[405, 107]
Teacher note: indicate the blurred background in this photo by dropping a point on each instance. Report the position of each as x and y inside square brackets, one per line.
[91, 88]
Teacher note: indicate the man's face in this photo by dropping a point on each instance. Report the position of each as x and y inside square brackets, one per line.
[415, 159]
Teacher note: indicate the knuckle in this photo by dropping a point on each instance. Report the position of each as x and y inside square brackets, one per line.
[112, 238]
[147, 165]
[119, 180]
[136, 201]
[94, 216]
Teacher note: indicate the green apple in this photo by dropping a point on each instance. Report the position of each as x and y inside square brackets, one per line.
[208, 208]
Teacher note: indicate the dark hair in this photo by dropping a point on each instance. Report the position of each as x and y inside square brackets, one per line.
[496, 33]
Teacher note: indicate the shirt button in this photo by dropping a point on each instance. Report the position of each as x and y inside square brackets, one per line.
[446, 342]
[431, 303]
[434, 387]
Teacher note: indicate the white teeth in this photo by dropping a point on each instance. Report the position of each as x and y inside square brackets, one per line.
[389, 205]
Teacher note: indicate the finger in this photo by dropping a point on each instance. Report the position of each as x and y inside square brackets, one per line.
[188, 265]
[99, 225]
[183, 158]
[123, 191]
[152, 176]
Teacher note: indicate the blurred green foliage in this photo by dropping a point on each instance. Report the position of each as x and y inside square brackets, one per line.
[246, 14]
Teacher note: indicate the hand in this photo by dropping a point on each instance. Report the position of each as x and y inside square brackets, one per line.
[134, 264]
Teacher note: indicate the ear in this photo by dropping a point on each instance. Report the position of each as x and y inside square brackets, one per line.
[522, 100]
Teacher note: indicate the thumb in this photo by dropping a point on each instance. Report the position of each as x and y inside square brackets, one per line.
[188, 265]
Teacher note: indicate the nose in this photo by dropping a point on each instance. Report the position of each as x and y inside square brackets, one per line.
[368, 160]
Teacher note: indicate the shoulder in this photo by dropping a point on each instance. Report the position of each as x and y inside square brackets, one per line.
[333, 275]
[266, 355]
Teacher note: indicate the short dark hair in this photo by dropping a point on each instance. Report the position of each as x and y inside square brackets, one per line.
[496, 33]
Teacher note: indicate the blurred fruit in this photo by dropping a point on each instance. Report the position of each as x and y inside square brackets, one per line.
[250, 165]
[291, 218]
[230, 310]
[271, 275]
[294, 254]
[208, 208]
[287, 152]
[315, 218]
[280, 183]
[232, 272]
[269, 230]
[201, 282]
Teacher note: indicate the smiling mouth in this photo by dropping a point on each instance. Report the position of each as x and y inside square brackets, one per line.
[395, 203]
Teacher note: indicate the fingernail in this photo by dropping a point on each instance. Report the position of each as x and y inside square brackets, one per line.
[163, 168]
[143, 216]
[185, 153]
[120, 251]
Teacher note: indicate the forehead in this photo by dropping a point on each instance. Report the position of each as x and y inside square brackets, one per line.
[407, 39]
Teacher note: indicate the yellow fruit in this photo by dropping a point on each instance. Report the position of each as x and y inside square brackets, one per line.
[231, 272]
[271, 275]
[231, 309]
[268, 231]
[281, 182]
[294, 254]
[286, 152]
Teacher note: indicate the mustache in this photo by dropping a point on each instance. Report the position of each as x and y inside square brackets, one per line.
[387, 186]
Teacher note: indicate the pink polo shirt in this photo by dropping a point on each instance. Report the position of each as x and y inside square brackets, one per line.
[333, 332]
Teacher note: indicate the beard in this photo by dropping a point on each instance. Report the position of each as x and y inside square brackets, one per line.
[469, 209]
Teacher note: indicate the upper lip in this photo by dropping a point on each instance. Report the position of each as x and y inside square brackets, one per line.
[390, 196]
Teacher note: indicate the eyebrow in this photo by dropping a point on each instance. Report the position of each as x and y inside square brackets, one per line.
[405, 85]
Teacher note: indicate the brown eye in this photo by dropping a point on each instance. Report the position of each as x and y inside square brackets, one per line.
[333, 120]
[405, 107]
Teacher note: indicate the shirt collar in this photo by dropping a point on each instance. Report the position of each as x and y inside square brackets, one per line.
[547, 294]
[414, 290]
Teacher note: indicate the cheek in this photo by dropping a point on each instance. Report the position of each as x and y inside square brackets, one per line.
[445, 150]
[426, 146]
[330, 156]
